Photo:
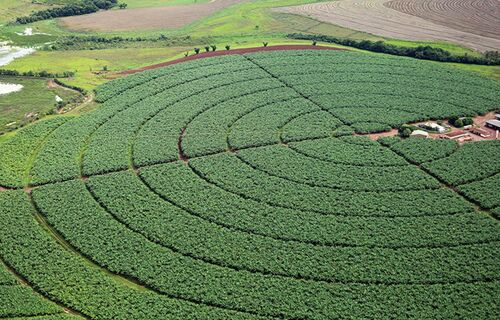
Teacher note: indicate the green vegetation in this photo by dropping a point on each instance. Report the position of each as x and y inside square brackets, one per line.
[463, 166]
[19, 301]
[71, 9]
[35, 100]
[19, 151]
[412, 149]
[233, 188]
[88, 64]
[485, 192]
[420, 52]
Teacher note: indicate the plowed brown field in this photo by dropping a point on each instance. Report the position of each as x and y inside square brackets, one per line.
[471, 23]
[480, 17]
[145, 18]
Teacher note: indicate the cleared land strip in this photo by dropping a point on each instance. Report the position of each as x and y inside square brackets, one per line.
[169, 17]
[373, 16]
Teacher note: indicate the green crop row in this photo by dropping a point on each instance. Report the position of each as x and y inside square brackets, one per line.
[285, 163]
[208, 132]
[72, 211]
[340, 151]
[350, 85]
[18, 151]
[264, 125]
[61, 316]
[178, 183]
[313, 125]
[150, 77]
[144, 212]
[158, 139]
[19, 300]
[69, 279]
[486, 192]
[423, 79]
[226, 171]
[425, 150]
[110, 146]
[60, 157]
[471, 162]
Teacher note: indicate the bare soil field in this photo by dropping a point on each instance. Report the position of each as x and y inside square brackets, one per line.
[145, 18]
[436, 20]
[228, 52]
[481, 17]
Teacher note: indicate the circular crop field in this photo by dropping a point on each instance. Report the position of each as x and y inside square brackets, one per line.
[241, 187]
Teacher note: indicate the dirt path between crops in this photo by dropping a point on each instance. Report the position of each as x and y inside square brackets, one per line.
[168, 17]
[229, 52]
[89, 98]
[414, 19]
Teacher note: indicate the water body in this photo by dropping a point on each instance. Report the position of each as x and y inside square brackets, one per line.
[6, 88]
[10, 53]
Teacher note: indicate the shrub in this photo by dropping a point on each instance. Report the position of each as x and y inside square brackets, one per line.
[459, 123]
[467, 121]
[214, 47]
[228, 47]
[265, 44]
[196, 50]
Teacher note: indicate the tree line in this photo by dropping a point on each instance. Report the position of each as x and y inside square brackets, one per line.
[73, 9]
[37, 74]
[420, 52]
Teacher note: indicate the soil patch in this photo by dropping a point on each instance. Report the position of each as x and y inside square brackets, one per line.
[478, 17]
[379, 18]
[169, 17]
[228, 52]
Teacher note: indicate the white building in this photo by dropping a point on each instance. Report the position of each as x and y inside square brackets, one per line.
[435, 126]
[419, 134]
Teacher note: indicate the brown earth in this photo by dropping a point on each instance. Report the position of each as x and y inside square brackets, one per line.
[228, 52]
[442, 23]
[481, 17]
[169, 17]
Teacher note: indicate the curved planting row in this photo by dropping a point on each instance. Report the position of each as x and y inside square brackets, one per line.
[233, 188]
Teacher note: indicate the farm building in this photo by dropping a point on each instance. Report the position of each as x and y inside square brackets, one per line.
[480, 132]
[419, 134]
[493, 124]
[433, 126]
[455, 135]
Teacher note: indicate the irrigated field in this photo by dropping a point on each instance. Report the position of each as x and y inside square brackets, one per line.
[233, 188]
[470, 23]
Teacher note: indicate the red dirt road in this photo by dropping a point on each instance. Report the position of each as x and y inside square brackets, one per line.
[228, 52]
[169, 17]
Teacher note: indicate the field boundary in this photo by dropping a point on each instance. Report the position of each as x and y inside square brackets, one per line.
[229, 52]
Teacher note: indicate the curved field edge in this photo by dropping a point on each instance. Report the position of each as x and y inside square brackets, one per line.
[491, 288]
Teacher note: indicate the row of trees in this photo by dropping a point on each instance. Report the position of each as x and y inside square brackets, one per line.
[420, 52]
[461, 122]
[37, 74]
[74, 9]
